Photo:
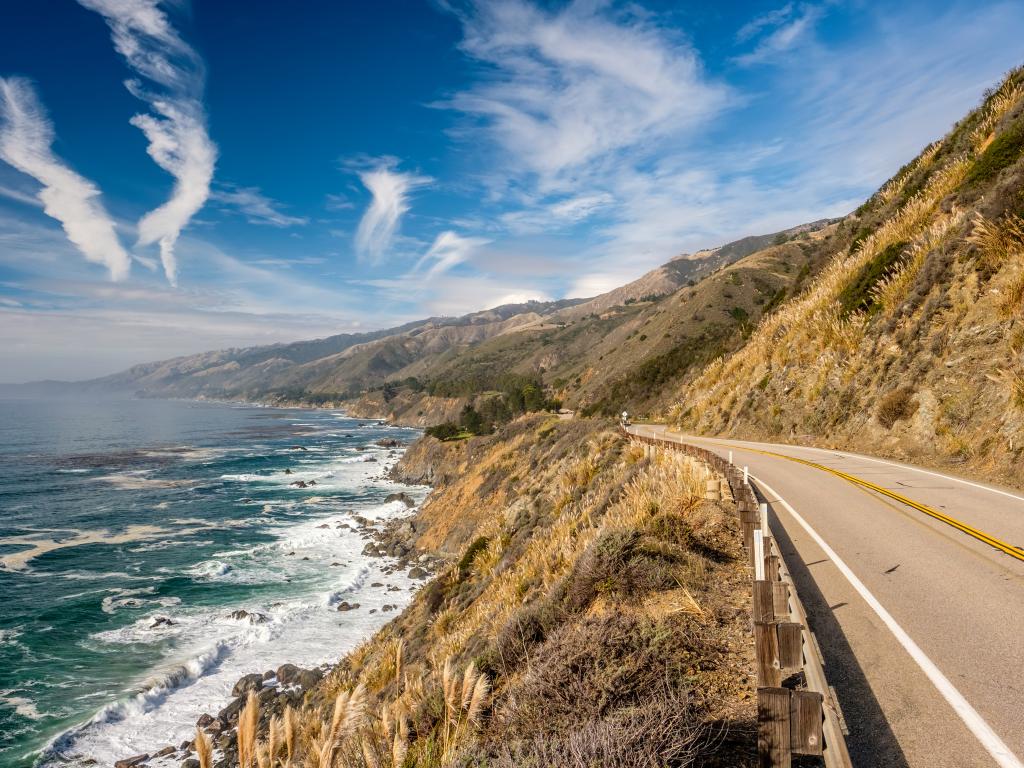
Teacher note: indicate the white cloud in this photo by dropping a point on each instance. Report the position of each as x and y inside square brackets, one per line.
[790, 26]
[255, 206]
[390, 190]
[177, 132]
[26, 136]
[565, 89]
[448, 250]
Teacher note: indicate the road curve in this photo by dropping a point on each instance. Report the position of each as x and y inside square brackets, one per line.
[920, 622]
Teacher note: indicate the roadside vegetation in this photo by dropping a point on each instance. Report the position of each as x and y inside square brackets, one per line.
[593, 614]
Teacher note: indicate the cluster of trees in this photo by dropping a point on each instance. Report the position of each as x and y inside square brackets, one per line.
[492, 408]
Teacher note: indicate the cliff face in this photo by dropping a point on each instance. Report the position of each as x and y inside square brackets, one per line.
[910, 343]
[593, 610]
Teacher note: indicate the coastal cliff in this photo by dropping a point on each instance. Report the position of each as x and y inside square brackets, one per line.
[589, 609]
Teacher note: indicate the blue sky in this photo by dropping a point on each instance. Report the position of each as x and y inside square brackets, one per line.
[178, 177]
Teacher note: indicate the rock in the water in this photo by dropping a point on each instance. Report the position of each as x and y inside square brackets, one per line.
[403, 497]
[253, 617]
[417, 573]
[324, 525]
[253, 682]
[377, 584]
[388, 442]
[131, 762]
[345, 605]
[298, 448]
[287, 471]
[298, 484]
[161, 621]
[165, 752]
[204, 720]
[370, 459]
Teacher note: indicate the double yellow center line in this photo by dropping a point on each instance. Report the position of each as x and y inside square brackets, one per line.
[992, 541]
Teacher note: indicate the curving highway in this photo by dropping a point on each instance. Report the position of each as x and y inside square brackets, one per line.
[913, 581]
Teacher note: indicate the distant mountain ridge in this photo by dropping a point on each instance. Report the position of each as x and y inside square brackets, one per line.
[346, 365]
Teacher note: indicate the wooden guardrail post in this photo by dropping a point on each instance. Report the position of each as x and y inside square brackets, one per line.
[790, 722]
[773, 727]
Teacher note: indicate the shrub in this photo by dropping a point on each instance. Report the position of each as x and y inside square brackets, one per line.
[1004, 150]
[895, 406]
[444, 431]
[858, 295]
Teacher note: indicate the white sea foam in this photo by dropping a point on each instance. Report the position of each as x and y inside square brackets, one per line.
[21, 705]
[209, 650]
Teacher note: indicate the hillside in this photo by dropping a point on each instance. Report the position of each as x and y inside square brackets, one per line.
[910, 343]
[592, 610]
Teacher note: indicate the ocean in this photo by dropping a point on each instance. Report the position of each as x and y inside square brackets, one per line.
[131, 530]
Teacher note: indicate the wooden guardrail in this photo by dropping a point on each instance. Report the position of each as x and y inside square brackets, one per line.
[796, 711]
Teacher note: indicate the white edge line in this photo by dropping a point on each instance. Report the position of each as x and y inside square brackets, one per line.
[995, 746]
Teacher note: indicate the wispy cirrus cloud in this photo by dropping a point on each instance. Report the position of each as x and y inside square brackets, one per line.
[778, 31]
[176, 126]
[390, 190]
[448, 250]
[568, 88]
[26, 136]
[255, 206]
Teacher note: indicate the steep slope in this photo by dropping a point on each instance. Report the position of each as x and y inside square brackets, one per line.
[911, 343]
[629, 355]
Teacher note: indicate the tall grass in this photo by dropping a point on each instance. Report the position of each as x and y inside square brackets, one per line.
[804, 330]
[997, 241]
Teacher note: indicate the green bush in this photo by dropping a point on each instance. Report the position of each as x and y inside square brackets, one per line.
[445, 431]
[857, 295]
[1006, 149]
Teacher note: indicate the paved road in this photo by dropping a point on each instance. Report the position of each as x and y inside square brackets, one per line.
[921, 625]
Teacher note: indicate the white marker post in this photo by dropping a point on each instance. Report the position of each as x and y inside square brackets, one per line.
[730, 456]
[758, 555]
[764, 517]
[746, 476]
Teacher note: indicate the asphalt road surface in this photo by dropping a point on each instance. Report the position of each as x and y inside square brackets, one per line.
[920, 622]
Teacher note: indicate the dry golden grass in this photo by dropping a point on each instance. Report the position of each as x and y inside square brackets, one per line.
[808, 331]
[204, 749]
[997, 241]
[1011, 298]
[891, 291]
[1000, 103]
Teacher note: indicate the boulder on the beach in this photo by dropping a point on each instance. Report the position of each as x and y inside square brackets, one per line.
[131, 762]
[168, 750]
[403, 497]
[246, 683]
[388, 442]
[370, 460]
[231, 712]
[204, 720]
[190, 763]
[417, 573]
[289, 674]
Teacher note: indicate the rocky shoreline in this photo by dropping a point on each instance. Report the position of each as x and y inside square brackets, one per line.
[289, 685]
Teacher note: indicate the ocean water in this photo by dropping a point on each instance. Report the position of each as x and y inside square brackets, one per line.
[130, 530]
